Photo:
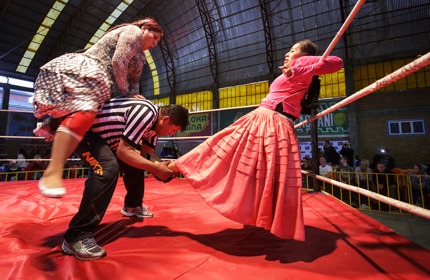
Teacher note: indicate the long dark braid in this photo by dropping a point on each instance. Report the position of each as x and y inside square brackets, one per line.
[310, 101]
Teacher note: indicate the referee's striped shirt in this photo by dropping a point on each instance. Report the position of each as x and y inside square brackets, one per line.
[128, 118]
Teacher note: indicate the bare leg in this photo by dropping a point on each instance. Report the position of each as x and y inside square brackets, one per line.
[63, 146]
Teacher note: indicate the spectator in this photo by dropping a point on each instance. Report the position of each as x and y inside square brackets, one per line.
[12, 171]
[34, 151]
[385, 182]
[345, 172]
[330, 154]
[347, 152]
[383, 155]
[419, 183]
[326, 171]
[364, 179]
[2, 169]
[22, 156]
[35, 167]
[357, 161]
[307, 165]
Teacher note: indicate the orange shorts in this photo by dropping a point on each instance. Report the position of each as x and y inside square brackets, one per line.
[78, 123]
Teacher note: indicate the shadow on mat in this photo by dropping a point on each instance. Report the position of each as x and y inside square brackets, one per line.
[251, 241]
[247, 241]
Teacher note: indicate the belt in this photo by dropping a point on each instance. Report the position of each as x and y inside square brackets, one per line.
[279, 108]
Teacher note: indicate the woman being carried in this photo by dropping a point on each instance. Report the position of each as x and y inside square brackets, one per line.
[74, 87]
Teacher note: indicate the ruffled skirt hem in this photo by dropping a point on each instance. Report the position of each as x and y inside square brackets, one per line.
[250, 173]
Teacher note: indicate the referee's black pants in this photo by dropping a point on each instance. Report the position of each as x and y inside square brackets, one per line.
[100, 186]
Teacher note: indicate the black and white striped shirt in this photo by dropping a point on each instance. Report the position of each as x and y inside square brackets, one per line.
[128, 118]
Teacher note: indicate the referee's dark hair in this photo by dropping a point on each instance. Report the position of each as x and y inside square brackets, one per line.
[177, 113]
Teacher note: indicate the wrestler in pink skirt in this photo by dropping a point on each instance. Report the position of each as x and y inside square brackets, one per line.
[250, 173]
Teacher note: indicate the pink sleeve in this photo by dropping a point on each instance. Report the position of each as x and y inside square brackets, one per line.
[310, 66]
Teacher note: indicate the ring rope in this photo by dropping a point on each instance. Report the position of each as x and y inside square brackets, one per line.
[422, 212]
[400, 73]
[22, 137]
[345, 25]
[15, 111]
[389, 79]
[33, 159]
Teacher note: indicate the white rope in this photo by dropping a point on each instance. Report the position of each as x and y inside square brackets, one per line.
[22, 137]
[389, 79]
[224, 109]
[345, 25]
[196, 112]
[15, 111]
[382, 198]
[183, 138]
[33, 159]
[414, 66]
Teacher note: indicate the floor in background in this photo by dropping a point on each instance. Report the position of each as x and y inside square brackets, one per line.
[414, 228]
[189, 240]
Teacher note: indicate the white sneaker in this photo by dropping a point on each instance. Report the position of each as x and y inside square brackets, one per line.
[139, 212]
[85, 249]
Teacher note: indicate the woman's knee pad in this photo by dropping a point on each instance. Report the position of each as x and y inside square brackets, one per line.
[78, 123]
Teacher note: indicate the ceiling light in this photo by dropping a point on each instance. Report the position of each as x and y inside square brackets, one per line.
[40, 35]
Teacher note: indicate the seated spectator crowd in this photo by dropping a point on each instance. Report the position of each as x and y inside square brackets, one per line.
[380, 176]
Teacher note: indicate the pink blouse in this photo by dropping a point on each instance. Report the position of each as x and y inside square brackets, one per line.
[291, 90]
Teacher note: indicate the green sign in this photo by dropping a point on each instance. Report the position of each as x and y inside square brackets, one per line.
[198, 125]
[333, 124]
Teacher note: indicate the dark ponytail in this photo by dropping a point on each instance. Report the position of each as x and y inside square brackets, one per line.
[310, 101]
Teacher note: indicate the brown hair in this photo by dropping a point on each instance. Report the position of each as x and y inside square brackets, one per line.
[308, 47]
[146, 23]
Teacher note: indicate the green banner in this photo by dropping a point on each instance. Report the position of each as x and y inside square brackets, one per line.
[228, 117]
[198, 125]
[333, 124]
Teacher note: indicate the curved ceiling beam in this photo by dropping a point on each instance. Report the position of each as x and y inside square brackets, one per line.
[166, 54]
[267, 36]
[170, 68]
[205, 15]
[3, 7]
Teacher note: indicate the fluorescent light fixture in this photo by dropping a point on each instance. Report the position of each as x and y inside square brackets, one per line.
[154, 72]
[22, 83]
[41, 34]
[109, 21]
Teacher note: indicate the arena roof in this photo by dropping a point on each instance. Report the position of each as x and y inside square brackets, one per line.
[212, 43]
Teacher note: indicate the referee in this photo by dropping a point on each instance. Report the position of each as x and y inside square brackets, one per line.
[110, 147]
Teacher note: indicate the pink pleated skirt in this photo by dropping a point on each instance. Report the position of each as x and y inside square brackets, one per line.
[250, 173]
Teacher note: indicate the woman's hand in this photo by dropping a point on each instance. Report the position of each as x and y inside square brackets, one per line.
[288, 71]
[137, 96]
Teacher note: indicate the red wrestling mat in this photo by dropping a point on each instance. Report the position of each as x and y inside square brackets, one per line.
[188, 240]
